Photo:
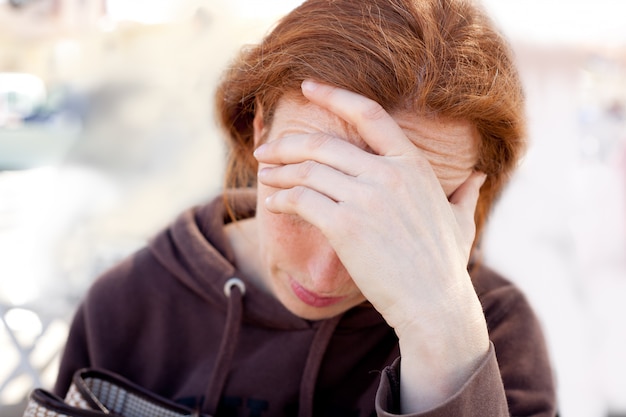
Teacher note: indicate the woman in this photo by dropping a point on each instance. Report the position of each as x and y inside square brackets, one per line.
[346, 280]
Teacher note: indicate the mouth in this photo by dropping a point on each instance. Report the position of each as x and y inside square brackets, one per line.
[310, 298]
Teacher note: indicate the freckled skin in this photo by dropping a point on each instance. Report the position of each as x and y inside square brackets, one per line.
[276, 249]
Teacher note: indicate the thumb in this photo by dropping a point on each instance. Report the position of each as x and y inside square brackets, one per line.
[463, 202]
[467, 193]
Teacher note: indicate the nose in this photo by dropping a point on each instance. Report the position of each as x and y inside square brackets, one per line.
[325, 269]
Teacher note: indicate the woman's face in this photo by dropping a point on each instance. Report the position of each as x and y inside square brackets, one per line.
[295, 261]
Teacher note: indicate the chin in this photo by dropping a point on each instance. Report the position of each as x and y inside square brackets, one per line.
[307, 312]
[320, 314]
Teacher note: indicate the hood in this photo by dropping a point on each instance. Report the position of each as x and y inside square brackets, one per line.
[195, 249]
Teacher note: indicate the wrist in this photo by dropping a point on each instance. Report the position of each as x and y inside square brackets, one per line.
[439, 354]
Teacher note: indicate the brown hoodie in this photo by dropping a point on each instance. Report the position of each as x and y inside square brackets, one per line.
[163, 320]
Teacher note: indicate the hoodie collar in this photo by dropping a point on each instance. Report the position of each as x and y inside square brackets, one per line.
[196, 250]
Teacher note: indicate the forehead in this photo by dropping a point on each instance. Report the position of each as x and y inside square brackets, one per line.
[451, 146]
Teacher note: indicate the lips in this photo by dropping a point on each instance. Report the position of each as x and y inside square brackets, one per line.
[310, 298]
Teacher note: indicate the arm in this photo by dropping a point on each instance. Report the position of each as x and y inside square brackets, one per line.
[404, 243]
[522, 366]
[480, 396]
[75, 354]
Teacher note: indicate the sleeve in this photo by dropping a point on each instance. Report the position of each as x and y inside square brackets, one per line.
[481, 396]
[93, 332]
[515, 379]
[75, 354]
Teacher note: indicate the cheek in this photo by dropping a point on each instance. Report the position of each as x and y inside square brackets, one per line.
[280, 234]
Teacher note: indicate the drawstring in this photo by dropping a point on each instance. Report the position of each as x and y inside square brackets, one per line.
[234, 289]
[313, 363]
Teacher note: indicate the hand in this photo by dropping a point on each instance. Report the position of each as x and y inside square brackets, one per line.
[403, 242]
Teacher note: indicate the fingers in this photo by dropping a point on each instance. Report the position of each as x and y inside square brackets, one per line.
[305, 203]
[463, 202]
[310, 174]
[375, 126]
[325, 149]
[466, 196]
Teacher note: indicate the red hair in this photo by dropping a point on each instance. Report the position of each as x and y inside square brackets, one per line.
[439, 58]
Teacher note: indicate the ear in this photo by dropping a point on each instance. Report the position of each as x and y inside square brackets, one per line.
[257, 123]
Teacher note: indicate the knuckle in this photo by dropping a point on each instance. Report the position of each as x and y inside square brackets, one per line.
[391, 177]
[364, 194]
[374, 111]
[319, 141]
[352, 223]
[327, 225]
[305, 169]
[295, 195]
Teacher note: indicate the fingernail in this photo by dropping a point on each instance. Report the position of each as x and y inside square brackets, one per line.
[309, 85]
[259, 151]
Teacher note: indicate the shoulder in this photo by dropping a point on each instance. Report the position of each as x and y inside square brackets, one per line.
[519, 342]
[130, 282]
[491, 287]
[502, 300]
[486, 280]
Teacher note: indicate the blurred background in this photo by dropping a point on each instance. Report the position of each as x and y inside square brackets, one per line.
[107, 133]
